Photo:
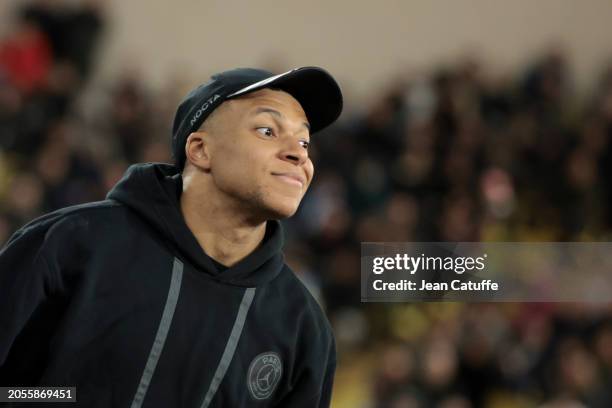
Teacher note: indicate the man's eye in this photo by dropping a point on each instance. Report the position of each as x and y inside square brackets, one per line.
[266, 131]
[305, 144]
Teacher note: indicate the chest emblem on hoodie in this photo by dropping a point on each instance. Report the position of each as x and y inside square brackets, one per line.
[264, 374]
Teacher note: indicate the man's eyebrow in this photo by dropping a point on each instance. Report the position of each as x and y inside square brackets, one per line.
[277, 114]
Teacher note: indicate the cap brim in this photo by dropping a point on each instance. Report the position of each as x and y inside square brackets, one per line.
[314, 88]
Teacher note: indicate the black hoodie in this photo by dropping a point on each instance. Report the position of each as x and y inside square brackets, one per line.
[118, 299]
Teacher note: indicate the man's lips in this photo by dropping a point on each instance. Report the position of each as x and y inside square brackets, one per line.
[291, 178]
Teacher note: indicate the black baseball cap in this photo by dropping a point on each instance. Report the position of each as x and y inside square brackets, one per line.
[314, 88]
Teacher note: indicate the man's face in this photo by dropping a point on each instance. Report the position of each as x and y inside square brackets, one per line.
[258, 147]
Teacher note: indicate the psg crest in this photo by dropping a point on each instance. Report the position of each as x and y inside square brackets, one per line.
[264, 374]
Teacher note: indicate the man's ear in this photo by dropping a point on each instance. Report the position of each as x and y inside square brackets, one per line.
[197, 150]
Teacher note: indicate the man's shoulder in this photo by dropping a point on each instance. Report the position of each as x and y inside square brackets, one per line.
[300, 293]
[71, 216]
[66, 226]
[86, 210]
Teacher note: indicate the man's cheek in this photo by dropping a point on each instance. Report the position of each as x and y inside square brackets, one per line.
[309, 171]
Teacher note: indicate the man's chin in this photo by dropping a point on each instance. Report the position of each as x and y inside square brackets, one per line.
[280, 214]
[280, 210]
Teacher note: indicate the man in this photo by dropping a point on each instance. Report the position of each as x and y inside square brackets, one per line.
[173, 291]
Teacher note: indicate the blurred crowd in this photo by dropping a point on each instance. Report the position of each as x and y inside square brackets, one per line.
[451, 154]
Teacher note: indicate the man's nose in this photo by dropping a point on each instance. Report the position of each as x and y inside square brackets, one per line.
[293, 151]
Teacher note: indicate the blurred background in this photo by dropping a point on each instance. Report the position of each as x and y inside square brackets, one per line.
[464, 121]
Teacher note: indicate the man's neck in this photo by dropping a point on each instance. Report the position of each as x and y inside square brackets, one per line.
[222, 232]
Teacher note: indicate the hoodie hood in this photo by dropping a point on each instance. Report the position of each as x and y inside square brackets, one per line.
[153, 191]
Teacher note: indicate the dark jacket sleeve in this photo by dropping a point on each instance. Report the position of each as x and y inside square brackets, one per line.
[316, 366]
[314, 389]
[26, 281]
[328, 382]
